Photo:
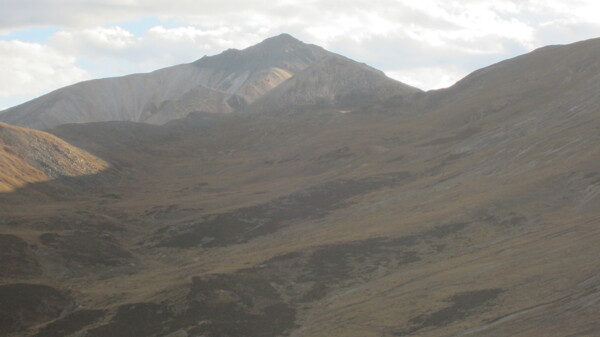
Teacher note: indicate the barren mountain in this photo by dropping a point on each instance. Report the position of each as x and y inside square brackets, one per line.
[28, 156]
[221, 83]
[333, 81]
[472, 211]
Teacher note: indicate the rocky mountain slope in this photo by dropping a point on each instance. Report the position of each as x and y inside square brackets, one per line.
[28, 156]
[471, 211]
[333, 81]
[223, 83]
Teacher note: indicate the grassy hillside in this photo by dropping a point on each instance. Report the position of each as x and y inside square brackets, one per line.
[471, 211]
[29, 156]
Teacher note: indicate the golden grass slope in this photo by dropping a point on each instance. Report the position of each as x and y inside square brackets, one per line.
[28, 156]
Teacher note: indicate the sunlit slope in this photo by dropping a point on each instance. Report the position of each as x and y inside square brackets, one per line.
[28, 156]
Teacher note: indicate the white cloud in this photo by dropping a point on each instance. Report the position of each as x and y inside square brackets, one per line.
[91, 40]
[114, 51]
[31, 69]
[211, 40]
[427, 78]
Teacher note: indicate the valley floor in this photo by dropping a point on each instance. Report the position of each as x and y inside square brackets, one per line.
[324, 225]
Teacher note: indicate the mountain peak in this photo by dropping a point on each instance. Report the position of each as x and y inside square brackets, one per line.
[220, 83]
[266, 46]
[281, 39]
[281, 51]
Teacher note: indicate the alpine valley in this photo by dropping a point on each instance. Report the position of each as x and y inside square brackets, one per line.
[284, 190]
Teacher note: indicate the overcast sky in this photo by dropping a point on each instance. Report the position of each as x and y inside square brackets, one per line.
[47, 44]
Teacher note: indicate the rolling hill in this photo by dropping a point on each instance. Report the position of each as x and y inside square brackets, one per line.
[29, 156]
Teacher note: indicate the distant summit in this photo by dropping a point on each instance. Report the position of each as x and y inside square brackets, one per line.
[283, 38]
[227, 82]
[282, 51]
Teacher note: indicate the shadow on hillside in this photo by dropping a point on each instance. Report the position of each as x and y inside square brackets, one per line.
[65, 188]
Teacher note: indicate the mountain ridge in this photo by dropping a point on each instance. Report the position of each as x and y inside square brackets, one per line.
[226, 82]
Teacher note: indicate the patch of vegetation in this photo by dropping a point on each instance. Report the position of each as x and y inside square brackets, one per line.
[71, 323]
[82, 249]
[459, 136]
[24, 305]
[243, 224]
[462, 306]
[16, 258]
[335, 155]
[135, 320]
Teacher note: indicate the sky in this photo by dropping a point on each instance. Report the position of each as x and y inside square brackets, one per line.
[430, 44]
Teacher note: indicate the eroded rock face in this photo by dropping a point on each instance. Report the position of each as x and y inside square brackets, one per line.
[333, 81]
[24, 305]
